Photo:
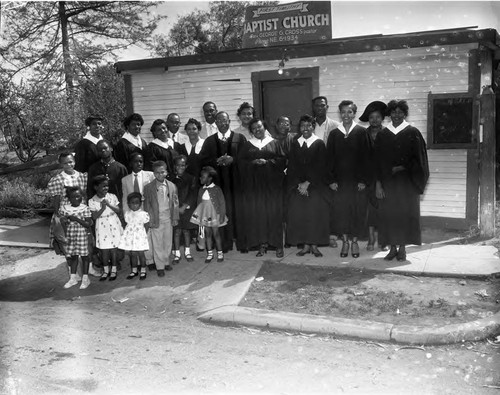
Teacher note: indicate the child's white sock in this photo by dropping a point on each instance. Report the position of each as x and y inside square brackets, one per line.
[177, 253]
[187, 251]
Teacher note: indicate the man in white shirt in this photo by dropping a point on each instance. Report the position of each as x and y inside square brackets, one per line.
[173, 125]
[324, 125]
[209, 126]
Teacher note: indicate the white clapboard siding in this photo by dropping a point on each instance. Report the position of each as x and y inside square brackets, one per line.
[409, 74]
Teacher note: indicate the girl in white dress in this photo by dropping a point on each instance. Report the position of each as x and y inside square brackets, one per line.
[134, 239]
[108, 228]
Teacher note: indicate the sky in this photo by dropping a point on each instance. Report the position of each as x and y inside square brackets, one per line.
[359, 18]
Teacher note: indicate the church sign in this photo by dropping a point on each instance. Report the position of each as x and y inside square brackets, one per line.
[285, 24]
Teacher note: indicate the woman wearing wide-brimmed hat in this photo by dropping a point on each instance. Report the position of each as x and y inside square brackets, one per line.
[374, 114]
[402, 174]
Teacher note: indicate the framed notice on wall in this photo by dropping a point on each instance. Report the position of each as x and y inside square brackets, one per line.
[285, 24]
[451, 121]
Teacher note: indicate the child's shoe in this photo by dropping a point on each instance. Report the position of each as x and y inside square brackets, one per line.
[94, 272]
[187, 255]
[210, 256]
[177, 257]
[85, 282]
[72, 281]
[220, 256]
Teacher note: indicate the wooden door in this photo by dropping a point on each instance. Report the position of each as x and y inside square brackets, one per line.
[291, 98]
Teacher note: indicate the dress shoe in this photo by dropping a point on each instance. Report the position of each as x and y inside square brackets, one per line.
[303, 252]
[160, 273]
[262, 251]
[392, 254]
[168, 268]
[132, 275]
[316, 252]
[279, 253]
[151, 267]
[345, 249]
[355, 249]
[401, 256]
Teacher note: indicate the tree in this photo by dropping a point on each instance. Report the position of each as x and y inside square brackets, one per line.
[219, 29]
[63, 41]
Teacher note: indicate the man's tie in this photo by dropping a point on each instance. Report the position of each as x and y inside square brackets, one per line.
[136, 184]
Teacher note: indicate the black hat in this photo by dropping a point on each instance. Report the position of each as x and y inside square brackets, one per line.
[89, 119]
[372, 107]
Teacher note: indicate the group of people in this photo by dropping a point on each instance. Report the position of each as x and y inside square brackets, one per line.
[250, 187]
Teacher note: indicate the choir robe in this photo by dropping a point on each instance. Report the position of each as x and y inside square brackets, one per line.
[115, 172]
[348, 159]
[193, 163]
[85, 155]
[307, 216]
[262, 187]
[373, 203]
[155, 152]
[400, 209]
[124, 150]
[229, 180]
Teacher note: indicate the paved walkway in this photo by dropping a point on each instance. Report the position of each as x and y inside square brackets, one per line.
[215, 290]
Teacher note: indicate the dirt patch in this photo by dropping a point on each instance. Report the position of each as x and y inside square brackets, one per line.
[389, 298]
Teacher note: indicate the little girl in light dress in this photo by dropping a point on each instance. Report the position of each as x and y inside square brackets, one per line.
[108, 228]
[134, 238]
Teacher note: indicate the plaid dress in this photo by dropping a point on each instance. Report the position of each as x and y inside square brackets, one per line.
[56, 187]
[76, 234]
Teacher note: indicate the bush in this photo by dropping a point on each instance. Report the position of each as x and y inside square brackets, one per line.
[20, 194]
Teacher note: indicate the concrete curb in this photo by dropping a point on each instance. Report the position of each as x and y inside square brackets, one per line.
[352, 328]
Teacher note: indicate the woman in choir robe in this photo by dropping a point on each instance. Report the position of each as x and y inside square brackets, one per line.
[161, 148]
[307, 217]
[262, 164]
[245, 113]
[347, 156]
[131, 141]
[192, 148]
[374, 114]
[402, 174]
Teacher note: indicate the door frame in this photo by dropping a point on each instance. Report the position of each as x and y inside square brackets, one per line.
[311, 73]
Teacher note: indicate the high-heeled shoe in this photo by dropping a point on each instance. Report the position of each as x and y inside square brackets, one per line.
[304, 251]
[345, 249]
[316, 252]
[355, 249]
[279, 253]
[392, 254]
[262, 250]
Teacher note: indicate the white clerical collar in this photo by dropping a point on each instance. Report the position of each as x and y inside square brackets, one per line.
[197, 147]
[92, 139]
[309, 141]
[133, 139]
[260, 143]
[343, 130]
[395, 130]
[226, 135]
[164, 144]
[209, 186]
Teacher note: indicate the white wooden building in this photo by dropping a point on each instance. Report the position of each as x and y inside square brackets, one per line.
[362, 69]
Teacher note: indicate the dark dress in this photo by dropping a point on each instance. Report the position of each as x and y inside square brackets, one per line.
[85, 155]
[193, 164]
[115, 172]
[155, 152]
[263, 193]
[124, 150]
[307, 216]
[348, 159]
[187, 190]
[372, 215]
[229, 180]
[400, 209]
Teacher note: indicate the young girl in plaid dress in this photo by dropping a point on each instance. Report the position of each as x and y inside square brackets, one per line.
[68, 177]
[78, 221]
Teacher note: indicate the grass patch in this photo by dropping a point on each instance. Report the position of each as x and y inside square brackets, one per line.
[18, 194]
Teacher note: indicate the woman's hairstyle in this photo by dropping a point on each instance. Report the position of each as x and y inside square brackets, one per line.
[156, 122]
[89, 120]
[254, 121]
[210, 171]
[308, 118]
[99, 179]
[401, 104]
[134, 195]
[345, 103]
[243, 106]
[178, 158]
[159, 163]
[63, 155]
[133, 117]
[194, 122]
[71, 190]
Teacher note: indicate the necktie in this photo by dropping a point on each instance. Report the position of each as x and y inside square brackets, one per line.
[224, 138]
[136, 184]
